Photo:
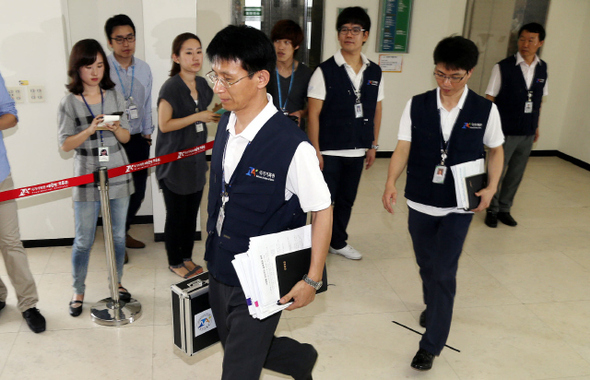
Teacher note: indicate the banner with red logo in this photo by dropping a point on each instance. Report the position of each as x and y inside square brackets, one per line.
[114, 172]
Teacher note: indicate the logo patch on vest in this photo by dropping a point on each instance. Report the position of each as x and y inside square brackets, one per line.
[373, 82]
[472, 126]
[540, 80]
[267, 176]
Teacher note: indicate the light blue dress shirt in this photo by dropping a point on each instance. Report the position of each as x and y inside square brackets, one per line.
[136, 82]
[6, 106]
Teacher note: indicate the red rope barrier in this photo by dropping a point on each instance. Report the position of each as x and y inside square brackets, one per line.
[114, 172]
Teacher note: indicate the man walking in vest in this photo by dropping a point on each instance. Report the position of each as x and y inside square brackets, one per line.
[265, 177]
[517, 86]
[344, 115]
[438, 129]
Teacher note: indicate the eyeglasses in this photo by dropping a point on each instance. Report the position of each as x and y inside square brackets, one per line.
[130, 38]
[453, 79]
[213, 78]
[355, 30]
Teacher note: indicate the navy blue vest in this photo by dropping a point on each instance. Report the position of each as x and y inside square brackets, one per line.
[465, 144]
[339, 128]
[256, 191]
[514, 94]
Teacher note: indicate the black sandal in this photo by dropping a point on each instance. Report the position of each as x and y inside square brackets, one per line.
[190, 273]
[124, 295]
[76, 311]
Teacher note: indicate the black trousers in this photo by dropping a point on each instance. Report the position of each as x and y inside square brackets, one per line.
[180, 225]
[342, 175]
[137, 149]
[438, 242]
[249, 344]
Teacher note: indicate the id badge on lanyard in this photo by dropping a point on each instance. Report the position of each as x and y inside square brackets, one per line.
[528, 106]
[358, 110]
[221, 216]
[103, 154]
[132, 112]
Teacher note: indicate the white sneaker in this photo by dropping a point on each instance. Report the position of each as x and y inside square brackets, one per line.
[348, 252]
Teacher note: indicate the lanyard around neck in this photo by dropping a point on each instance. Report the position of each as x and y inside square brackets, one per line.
[122, 85]
[92, 113]
[284, 106]
[101, 104]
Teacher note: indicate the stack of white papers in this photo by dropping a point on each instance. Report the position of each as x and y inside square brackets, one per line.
[462, 171]
[257, 269]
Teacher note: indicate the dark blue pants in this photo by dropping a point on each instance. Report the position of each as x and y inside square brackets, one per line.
[249, 344]
[137, 149]
[342, 174]
[438, 242]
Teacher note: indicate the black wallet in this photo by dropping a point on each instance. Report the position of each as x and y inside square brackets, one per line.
[292, 266]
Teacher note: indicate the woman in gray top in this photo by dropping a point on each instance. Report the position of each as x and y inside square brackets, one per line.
[80, 128]
[182, 114]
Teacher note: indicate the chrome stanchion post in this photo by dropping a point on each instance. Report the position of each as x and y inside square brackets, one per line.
[111, 311]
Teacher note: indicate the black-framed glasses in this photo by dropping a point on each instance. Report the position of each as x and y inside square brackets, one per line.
[213, 78]
[354, 30]
[454, 79]
[130, 38]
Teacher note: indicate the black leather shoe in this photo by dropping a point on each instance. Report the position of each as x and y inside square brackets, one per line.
[423, 319]
[491, 219]
[124, 295]
[423, 360]
[34, 319]
[76, 311]
[507, 219]
[2, 304]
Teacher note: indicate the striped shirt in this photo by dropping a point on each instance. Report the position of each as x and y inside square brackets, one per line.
[73, 118]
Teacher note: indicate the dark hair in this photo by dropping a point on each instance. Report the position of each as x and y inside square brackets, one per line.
[243, 44]
[118, 20]
[354, 15]
[287, 30]
[84, 53]
[177, 45]
[456, 53]
[533, 27]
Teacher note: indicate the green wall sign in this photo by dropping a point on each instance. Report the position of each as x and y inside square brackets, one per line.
[394, 26]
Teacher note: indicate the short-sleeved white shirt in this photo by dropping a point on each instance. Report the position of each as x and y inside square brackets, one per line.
[304, 177]
[528, 73]
[493, 137]
[317, 90]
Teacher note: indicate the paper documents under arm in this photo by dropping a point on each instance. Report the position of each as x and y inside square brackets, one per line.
[257, 268]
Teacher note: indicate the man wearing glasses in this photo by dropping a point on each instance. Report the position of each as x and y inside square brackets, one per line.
[344, 115]
[438, 129]
[133, 79]
[265, 177]
[517, 86]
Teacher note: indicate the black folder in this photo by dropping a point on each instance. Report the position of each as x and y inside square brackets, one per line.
[474, 184]
[292, 266]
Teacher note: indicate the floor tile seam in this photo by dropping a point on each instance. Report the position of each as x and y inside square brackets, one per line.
[9, 351]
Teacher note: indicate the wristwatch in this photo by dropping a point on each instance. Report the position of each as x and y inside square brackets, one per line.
[312, 283]
[376, 147]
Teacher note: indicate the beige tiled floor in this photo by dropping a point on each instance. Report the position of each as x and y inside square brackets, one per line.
[522, 308]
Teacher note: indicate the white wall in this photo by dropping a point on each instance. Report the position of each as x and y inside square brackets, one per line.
[564, 124]
[32, 47]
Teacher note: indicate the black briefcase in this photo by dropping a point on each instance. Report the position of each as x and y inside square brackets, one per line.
[192, 320]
